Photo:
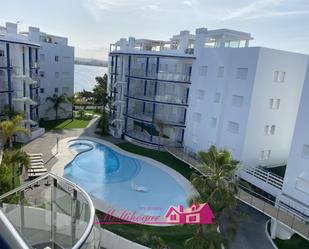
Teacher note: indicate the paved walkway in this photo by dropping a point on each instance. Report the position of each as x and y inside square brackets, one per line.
[47, 141]
[284, 216]
[251, 231]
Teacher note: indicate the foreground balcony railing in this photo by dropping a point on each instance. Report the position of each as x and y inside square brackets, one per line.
[51, 212]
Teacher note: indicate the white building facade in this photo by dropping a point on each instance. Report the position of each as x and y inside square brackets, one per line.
[19, 78]
[295, 191]
[207, 89]
[56, 70]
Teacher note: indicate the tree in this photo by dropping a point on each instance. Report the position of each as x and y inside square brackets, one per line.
[57, 101]
[218, 188]
[10, 112]
[16, 158]
[9, 128]
[100, 92]
[152, 241]
[161, 126]
[72, 100]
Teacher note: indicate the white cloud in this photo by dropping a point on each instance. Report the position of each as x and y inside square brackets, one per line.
[190, 2]
[260, 9]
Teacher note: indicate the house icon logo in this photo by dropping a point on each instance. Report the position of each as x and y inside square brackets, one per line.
[195, 214]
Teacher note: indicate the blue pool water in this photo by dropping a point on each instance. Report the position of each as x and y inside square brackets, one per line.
[109, 175]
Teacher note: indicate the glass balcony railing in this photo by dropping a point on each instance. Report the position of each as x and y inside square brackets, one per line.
[162, 75]
[51, 212]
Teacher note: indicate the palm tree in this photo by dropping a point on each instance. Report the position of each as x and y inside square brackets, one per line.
[72, 100]
[161, 126]
[152, 241]
[57, 101]
[218, 188]
[13, 158]
[9, 128]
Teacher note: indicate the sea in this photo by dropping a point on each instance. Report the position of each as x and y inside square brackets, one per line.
[84, 77]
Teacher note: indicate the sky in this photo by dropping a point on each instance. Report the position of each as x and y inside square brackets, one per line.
[91, 25]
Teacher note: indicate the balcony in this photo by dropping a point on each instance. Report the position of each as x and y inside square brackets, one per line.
[160, 76]
[160, 99]
[50, 212]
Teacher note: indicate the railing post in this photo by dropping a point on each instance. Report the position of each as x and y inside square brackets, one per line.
[53, 212]
[22, 211]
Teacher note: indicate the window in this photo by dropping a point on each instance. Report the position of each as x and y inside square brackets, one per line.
[233, 127]
[56, 58]
[197, 117]
[56, 90]
[2, 73]
[1, 53]
[220, 72]
[57, 74]
[270, 130]
[305, 152]
[194, 139]
[237, 101]
[175, 68]
[217, 98]
[265, 155]
[42, 90]
[213, 122]
[42, 74]
[242, 73]
[274, 104]
[200, 94]
[203, 70]
[42, 57]
[279, 76]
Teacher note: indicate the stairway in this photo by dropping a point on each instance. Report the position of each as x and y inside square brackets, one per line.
[37, 167]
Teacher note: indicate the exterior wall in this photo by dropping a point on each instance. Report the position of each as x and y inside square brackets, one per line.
[201, 135]
[56, 70]
[265, 88]
[296, 181]
[254, 113]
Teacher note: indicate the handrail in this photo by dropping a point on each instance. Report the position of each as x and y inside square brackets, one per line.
[19, 241]
[90, 224]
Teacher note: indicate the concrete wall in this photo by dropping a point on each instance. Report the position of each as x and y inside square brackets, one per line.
[296, 182]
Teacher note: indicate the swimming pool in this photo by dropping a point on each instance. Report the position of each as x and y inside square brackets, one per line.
[115, 177]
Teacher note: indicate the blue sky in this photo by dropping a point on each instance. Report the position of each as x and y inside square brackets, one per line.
[92, 25]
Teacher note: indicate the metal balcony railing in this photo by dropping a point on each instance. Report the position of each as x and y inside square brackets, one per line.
[51, 211]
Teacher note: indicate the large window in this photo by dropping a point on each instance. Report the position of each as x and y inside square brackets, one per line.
[265, 155]
[217, 97]
[200, 94]
[270, 130]
[237, 101]
[305, 152]
[203, 70]
[242, 73]
[233, 127]
[213, 122]
[197, 117]
[274, 104]
[279, 76]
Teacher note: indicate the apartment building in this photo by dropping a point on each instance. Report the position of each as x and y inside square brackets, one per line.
[56, 71]
[19, 78]
[210, 88]
[295, 190]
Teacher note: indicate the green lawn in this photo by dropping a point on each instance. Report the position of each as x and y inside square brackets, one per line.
[64, 123]
[161, 156]
[174, 236]
[296, 242]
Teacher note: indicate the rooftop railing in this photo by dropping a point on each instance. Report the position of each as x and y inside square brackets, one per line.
[162, 75]
[51, 212]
